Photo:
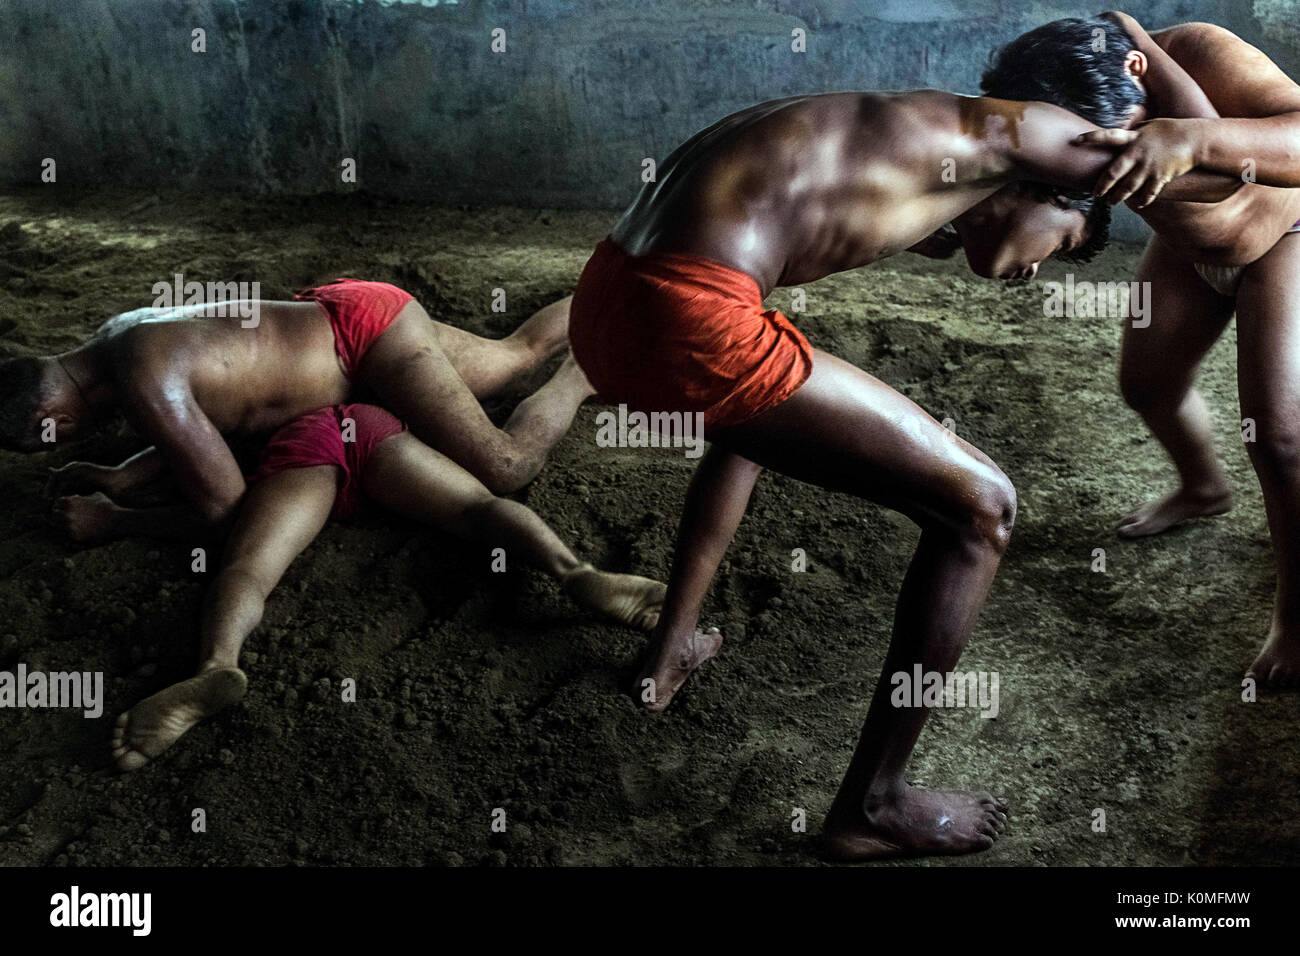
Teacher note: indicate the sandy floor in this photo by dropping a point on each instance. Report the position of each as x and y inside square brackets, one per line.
[1118, 690]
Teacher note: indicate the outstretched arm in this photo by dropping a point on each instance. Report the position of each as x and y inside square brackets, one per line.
[97, 517]
[1041, 142]
[1258, 140]
[77, 476]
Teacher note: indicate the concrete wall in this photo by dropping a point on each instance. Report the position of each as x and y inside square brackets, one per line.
[412, 90]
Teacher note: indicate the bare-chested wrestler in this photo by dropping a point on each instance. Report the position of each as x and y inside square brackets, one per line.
[188, 376]
[668, 316]
[1204, 262]
[323, 464]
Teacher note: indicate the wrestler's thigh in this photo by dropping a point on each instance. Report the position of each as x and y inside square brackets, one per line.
[279, 516]
[1187, 317]
[409, 477]
[415, 381]
[484, 365]
[1268, 339]
[848, 431]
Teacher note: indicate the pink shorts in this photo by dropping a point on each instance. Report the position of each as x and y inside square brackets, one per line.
[360, 312]
[339, 435]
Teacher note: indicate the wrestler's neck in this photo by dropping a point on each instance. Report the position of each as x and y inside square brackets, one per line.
[87, 376]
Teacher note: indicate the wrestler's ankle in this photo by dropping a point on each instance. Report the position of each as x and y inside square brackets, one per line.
[217, 664]
[883, 793]
[570, 570]
[1205, 488]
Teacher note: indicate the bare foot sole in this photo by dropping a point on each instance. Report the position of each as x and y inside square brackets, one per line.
[669, 668]
[1278, 664]
[1157, 516]
[627, 598]
[157, 722]
[917, 823]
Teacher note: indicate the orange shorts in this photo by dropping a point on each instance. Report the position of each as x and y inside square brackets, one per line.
[359, 312]
[672, 332]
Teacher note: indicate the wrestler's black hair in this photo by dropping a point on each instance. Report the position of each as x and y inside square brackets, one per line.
[20, 396]
[1075, 64]
[1097, 212]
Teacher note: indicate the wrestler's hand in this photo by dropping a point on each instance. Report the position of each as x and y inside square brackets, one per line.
[79, 476]
[86, 518]
[1150, 156]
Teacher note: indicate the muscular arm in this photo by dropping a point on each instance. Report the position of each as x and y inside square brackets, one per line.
[140, 468]
[1259, 103]
[205, 470]
[1038, 141]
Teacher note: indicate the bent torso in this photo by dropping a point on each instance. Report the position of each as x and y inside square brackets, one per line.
[247, 381]
[794, 190]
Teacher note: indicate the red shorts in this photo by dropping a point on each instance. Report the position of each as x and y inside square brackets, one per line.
[359, 312]
[317, 438]
[671, 332]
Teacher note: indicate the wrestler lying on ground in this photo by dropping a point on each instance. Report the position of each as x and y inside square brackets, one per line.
[668, 316]
[1204, 261]
[310, 471]
[186, 377]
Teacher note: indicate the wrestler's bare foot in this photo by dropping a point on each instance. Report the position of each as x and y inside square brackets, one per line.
[916, 822]
[671, 664]
[633, 600]
[1278, 664]
[1157, 516]
[157, 722]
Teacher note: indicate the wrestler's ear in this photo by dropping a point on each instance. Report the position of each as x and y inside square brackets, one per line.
[1135, 64]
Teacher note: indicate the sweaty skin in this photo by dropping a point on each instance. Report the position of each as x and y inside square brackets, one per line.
[789, 192]
[1251, 112]
[185, 378]
[794, 190]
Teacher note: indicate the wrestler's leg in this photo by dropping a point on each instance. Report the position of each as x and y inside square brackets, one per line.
[280, 516]
[488, 366]
[417, 382]
[1268, 381]
[715, 502]
[404, 474]
[847, 431]
[1157, 367]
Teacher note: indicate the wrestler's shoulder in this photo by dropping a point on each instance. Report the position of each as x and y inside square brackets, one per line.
[1196, 41]
[149, 352]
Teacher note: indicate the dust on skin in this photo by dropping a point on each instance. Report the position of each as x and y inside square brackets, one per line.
[974, 113]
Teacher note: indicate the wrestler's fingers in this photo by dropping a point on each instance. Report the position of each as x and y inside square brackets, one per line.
[1128, 185]
[1106, 137]
[1150, 193]
[1113, 173]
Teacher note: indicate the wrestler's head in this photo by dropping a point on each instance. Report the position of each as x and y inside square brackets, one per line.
[1089, 67]
[32, 391]
[1008, 235]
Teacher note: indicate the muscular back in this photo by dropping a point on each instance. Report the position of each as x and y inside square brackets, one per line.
[793, 190]
[245, 380]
